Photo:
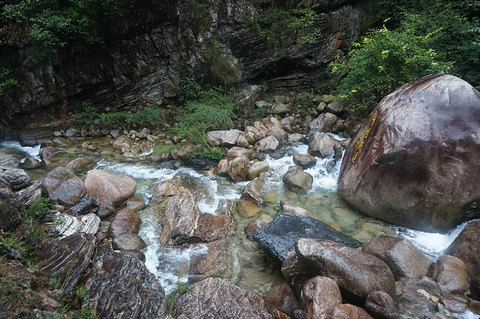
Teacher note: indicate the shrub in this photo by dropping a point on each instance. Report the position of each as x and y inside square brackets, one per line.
[383, 61]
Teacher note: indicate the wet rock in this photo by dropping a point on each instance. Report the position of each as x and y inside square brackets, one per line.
[17, 178]
[304, 160]
[213, 227]
[348, 311]
[63, 186]
[236, 151]
[80, 163]
[225, 137]
[85, 205]
[267, 144]
[274, 128]
[256, 168]
[416, 297]
[108, 188]
[320, 296]
[466, 247]
[294, 210]
[212, 263]
[323, 123]
[10, 158]
[222, 167]
[279, 236]
[282, 298]
[124, 231]
[30, 162]
[238, 169]
[404, 259]
[278, 154]
[381, 305]
[356, 273]
[224, 299]
[295, 138]
[120, 286]
[135, 203]
[199, 163]
[297, 180]
[413, 161]
[253, 190]
[122, 142]
[451, 275]
[66, 260]
[253, 226]
[322, 145]
[248, 208]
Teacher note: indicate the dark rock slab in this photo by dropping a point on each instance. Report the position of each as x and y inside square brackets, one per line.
[279, 236]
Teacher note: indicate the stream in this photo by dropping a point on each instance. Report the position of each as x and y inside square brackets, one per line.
[249, 269]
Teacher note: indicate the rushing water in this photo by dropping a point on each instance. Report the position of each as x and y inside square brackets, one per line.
[249, 268]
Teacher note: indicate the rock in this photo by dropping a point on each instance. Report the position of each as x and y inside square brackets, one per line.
[466, 247]
[222, 167]
[122, 142]
[224, 300]
[213, 227]
[293, 210]
[10, 216]
[135, 203]
[297, 180]
[322, 145]
[120, 286]
[248, 208]
[320, 296]
[381, 305]
[253, 226]
[225, 137]
[238, 168]
[212, 263]
[108, 188]
[68, 259]
[415, 297]
[30, 162]
[413, 161]
[67, 225]
[323, 123]
[304, 160]
[199, 163]
[256, 168]
[355, 272]
[17, 178]
[279, 108]
[279, 236]
[253, 190]
[451, 275]
[267, 144]
[10, 158]
[274, 128]
[236, 151]
[402, 257]
[85, 205]
[184, 152]
[80, 163]
[124, 231]
[63, 186]
[242, 141]
[348, 311]
[295, 138]
[282, 298]
[336, 107]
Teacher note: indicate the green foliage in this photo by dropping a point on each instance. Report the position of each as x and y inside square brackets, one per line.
[164, 148]
[189, 89]
[212, 152]
[7, 74]
[302, 19]
[220, 69]
[383, 61]
[201, 19]
[181, 289]
[73, 23]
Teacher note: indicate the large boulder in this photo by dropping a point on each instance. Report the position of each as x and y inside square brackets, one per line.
[16, 177]
[414, 160]
[63, 186]
[124, 230]
[466, 247]
[109, 188]
[279, 236]
[219, 298]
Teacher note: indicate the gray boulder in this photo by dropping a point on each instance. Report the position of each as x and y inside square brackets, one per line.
[63, 186]
[17, 178]
[297, 180]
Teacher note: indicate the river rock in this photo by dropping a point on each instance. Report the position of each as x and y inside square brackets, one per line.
[256, 168]
[322, 145]
[381, 305]
[85, 205]
[184, 152]
[17, 178]
[119, 286]
[323, 123]
[30, 162]
[221, 299]
[282, 298]
[267, 144]
[80, 163]
[63, 186]
[124, 230]
[320, 296]
[348, 311]
[135, 203]
[304, 160]
[224, 137]
[238, 169]
[466, 247]
[210, 263]
[451, 275]
[10, 158]
[274, 128]
[253, 190]
[418, 298]
[294, 210]
[66, 260]
[413, 161]
[109, 188]
[67, 225]
[297, 180]
[236, 151]
[279, 236]
[280, 108]
[122, 142]
[404, 259]
[355, 272]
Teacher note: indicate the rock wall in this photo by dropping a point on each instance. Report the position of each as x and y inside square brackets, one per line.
[161, 43]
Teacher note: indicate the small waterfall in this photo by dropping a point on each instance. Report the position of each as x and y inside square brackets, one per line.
[28, 150]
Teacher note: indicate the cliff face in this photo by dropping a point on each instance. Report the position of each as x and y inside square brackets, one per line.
[163, 42]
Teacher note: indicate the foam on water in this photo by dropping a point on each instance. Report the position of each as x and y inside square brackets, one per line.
[431, 244]
[28, 150]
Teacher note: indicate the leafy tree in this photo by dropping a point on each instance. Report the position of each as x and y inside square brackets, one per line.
[383, 61]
